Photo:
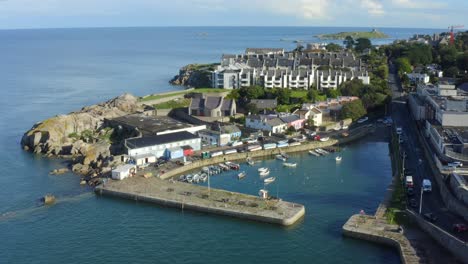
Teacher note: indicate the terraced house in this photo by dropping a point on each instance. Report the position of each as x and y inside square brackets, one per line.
[274, 68]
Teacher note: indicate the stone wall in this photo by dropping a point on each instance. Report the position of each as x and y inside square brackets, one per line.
[451, 243]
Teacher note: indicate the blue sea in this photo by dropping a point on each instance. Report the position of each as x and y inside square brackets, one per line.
[54, 71]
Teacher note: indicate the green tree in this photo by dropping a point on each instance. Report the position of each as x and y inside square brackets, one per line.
[312, 95]
[349, 42]
[382, 71]
[353, 110]
[451, 72]
[462, 62]
[332, 47]
[332, 93]
[234, 94]
[251, 108]
[362, 44]
[352, 88]
[283, 96]
[403, 65]
[419, 54]
[252, 92]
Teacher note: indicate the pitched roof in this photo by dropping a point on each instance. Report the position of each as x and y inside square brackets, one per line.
[142, 142]
[275, 122]
[290, 118]
[230, 129]
[227, 104]
[212, 102]
[264, 103]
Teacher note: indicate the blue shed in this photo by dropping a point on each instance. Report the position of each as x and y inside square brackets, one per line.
[174, 153]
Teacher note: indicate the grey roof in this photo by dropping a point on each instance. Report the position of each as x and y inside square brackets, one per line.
[196, 103]
[158, 140]
[264, 103]
[255, 63]
[263, 50]
[230, 129]
[227, 105]
[290, 118]
[285, 63]
[212, 102]
[275, 122]
[270, 62]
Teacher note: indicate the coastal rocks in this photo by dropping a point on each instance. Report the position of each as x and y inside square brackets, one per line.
[57, 135]
[59, 171]
[194, 75]
[48, 199]
[80, 168]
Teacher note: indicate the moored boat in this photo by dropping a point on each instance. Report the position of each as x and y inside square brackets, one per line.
[265, 173]
[262, 169]
[338, 158]
[269, 180]
[311, 152]
[280, 157]
[290, 165]
[241, 175]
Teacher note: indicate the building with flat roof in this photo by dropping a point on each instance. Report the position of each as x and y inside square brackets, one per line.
[152, 125]
[157, 145]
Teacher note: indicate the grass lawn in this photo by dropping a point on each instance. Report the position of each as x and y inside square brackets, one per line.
[173, 104]
[298, 93]
[200, 90]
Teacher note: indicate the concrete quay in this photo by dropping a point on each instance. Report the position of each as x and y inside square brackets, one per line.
[378, 231]
[198, 198]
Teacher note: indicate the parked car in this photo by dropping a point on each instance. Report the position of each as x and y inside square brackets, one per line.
[413, 203]
[455, 164]
[362, 120]
[399, 130]
[459, 228]
[410, 191]
[430, 217]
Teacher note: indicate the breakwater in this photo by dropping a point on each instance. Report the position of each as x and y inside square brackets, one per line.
[202, 199]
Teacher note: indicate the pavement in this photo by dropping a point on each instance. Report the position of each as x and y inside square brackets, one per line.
[431, 202]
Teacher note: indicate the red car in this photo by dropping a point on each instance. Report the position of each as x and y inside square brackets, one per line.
[460, 228]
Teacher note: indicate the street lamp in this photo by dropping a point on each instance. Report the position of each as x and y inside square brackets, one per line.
[421, 200]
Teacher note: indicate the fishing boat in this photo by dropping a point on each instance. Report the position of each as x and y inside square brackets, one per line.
[338, 158]
[262, 169]
[321, 151]
[290, 165]
[203, 177]
[241, 175]
[269, 180]
[311, 152]
[232, 165]
[265, 173]
[189, 178]
[280, 157]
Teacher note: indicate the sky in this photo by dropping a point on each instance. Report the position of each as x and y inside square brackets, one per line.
[129, 13]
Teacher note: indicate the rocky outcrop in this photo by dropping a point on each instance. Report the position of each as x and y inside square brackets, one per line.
[80, 134]
[194, 75]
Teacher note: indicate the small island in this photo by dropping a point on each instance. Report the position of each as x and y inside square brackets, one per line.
[374, 34]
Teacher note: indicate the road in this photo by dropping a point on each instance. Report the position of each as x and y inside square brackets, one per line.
[432, 202]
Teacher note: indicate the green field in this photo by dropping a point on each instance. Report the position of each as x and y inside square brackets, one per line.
[355, 34]
[298, 93]
[200, 90]
[185, 102]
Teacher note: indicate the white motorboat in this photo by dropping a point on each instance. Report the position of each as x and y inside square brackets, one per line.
[241, 175]
[196, 178]
[290, 165]
[189, 178]
[269, 180]
[262, 169]
[204, 177]
[338, 158]
[265, 173]
[280, 157]
[311, 152]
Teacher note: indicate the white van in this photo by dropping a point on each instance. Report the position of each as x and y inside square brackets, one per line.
[427, 185]
[409, 182]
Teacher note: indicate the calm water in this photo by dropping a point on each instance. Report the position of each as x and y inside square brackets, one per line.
[49, 72]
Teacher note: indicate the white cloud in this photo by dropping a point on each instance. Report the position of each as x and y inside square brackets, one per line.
[374, 8]
[305, 9]
[412, 4]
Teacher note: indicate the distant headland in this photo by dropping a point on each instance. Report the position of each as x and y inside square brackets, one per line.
[374, 34]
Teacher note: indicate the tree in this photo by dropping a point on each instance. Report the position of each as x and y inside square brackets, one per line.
[349, 42]
[403, 65]
[234, 94]
[382, 71]
[419, 54]
[312, 95]
[352, 88]
[332, 47]
[283, 96]
[353, 110]
[332, 93]
[252, 92]
[451, 72]
[251, 108]
[362, 44]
